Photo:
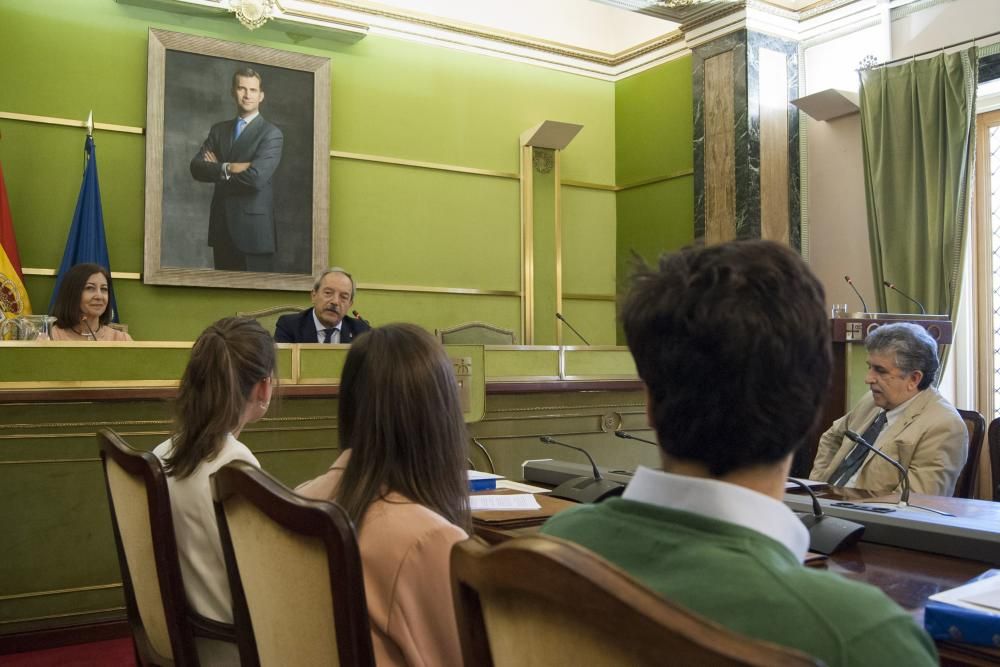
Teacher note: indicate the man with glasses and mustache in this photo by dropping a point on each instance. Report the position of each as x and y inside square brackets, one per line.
[902, 415]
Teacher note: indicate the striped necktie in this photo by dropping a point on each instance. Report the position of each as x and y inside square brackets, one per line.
[852, 462]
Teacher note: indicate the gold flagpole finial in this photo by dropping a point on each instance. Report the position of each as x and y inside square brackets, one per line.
[90, 124]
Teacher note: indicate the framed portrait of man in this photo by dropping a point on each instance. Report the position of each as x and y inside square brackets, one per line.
[237, 164]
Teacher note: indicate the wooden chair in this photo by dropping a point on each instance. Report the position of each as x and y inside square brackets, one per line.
[994, 440]
[544, 601]
[268, 317]
[294, 571]
[965, 487]
[476, 333]
[163, 627]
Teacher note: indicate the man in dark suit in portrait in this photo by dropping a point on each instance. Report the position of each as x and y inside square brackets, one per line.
[327, 321]
[240, 156]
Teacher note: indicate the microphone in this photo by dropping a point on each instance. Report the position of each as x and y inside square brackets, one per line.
[357, 316]
[89, 328]
[566, 322]
[625, 435]
[923, 311]
[827, 534]
[584, 489]
[860, 298]
[904, 496]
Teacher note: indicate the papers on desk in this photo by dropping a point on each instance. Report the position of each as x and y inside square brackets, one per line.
[510, 502]
[969, 613]
[811, 483]
[520, 486]
[982, 594]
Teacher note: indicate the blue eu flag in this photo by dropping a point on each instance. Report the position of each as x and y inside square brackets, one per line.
[86, 242]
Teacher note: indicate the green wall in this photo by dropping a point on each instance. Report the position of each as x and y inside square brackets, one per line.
[389, 224]
[654, 140]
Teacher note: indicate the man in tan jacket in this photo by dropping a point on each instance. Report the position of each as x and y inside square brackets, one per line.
[903, 416]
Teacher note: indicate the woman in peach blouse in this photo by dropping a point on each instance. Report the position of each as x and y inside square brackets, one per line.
[81, 307]
[401, 477]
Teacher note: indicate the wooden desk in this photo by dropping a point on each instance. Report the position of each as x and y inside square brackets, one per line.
[908, 577]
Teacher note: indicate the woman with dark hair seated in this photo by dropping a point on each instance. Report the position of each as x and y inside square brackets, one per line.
[401, 477]
[81, 307]
[227, 384]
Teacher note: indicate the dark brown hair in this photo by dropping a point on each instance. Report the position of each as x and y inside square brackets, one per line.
[733, 344]
[66, 308]
[227, 360]
[400, 416]
[248, 73]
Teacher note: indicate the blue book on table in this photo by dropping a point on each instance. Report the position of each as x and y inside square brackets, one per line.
[482, 481]
[972, 624]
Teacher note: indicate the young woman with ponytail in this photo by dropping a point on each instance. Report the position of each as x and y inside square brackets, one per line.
[227, 384]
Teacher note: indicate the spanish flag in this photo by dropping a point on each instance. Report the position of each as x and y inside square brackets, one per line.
[13, 296]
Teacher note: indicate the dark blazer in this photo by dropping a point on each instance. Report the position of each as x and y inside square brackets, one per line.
[300, 328]
[243, 206]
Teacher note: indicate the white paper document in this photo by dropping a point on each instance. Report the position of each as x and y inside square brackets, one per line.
[520, 486]
[499, 502]
[475, 474]
[808, 482]
[982, 595]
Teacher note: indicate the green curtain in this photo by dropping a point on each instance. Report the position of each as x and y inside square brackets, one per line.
[918, 141]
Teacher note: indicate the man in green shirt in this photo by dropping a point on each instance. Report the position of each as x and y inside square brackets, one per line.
[733, 345]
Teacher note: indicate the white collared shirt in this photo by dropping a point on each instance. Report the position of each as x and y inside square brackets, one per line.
[321, 330]
[722, 501]
[248, 119]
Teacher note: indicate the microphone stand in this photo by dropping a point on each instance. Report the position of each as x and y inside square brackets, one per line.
[923, 311]
[860, 298]
[584, 489]
[357, 315]
[566, 322]
[827, 533]
[93, 335]
[904, 496]
[625, 435]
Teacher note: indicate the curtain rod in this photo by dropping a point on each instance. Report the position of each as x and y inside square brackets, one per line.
[940, 48]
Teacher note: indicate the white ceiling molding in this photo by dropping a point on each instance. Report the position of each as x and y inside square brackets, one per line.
[524, 30]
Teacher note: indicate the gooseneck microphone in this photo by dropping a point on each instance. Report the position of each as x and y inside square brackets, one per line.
[584, 489]
[90, 328]
[566, 322]
[358, 317]
[904, 496]
[923, 311]
[625, 435]
[860, 298]
[827, 534]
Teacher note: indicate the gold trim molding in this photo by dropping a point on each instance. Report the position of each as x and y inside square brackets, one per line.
[115, 275]
[69, 122]
[401, 162]
[588, 297]
[60, 591]
[69, 614]
[382, 287]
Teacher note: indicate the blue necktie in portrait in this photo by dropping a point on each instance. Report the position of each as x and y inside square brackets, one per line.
[240, 124]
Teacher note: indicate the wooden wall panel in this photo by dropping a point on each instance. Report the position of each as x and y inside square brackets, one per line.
[774, 196]
[720, 154]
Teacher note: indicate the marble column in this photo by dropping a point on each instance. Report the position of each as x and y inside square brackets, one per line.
[746, 139]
